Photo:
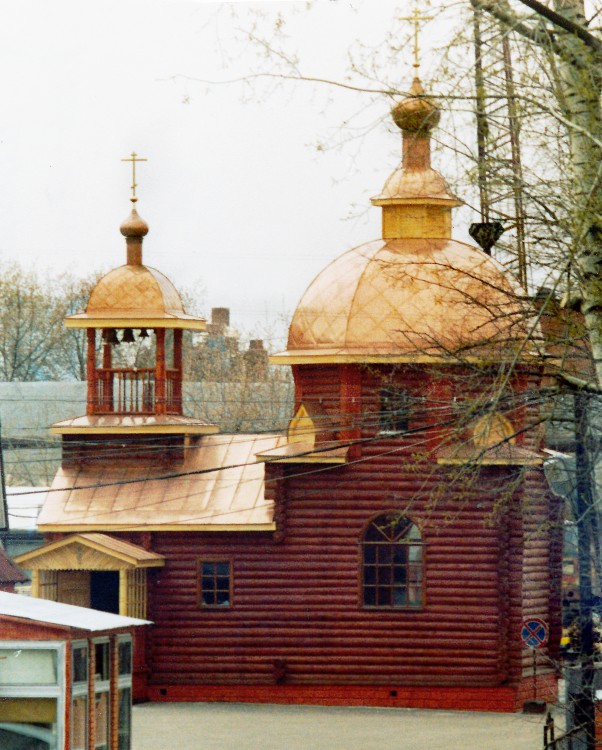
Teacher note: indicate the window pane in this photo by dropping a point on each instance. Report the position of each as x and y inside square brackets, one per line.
[102, 652]
[125, 719]
[222, 598]
[79, 659]
[370, 596]
[79, 723]
[208, 568]
[222, 568]
[369, 553]
[400, 598]
[102, 722]
[369, 574]
[28, 666]
[125, 657]
[383, 596]
[400, 575]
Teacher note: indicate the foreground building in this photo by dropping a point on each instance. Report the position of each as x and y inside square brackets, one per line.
[385, 550]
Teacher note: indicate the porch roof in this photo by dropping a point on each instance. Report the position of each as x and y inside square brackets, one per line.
[90, 552]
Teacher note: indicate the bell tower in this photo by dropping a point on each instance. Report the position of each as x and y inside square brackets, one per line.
[134, 305]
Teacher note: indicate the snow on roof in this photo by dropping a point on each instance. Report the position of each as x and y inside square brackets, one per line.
[67, 615]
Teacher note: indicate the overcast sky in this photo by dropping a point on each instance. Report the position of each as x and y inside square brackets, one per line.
[239, 199]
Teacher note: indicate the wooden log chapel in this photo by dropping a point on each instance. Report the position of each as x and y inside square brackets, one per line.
[387, 548]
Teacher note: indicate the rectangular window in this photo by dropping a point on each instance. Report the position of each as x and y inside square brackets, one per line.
[125, 657]
[215, 578]
[79, 722]
[20, 666]
[124, 729]
[103, 661]
[394, 409]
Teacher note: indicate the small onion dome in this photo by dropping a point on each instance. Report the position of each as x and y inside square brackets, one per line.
[134, 225]
[416, 113]
[411, 300]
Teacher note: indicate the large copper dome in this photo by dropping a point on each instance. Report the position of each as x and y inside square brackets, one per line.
[410, 300]
[417, 294]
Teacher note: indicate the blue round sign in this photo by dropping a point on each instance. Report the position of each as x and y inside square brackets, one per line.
[534, 632]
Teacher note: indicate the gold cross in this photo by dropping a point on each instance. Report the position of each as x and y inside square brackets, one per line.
[416, 17]
[134, 158]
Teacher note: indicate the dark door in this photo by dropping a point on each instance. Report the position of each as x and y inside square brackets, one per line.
[104, 590]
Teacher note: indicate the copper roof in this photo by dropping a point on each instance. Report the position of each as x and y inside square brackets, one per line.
[134, 423]
[502, 454]
[138, 294]
[410, 299]
[220, 486]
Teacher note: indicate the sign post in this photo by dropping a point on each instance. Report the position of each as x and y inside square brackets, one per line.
[534, 634]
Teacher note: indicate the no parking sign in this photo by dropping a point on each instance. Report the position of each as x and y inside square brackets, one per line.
[534, 632]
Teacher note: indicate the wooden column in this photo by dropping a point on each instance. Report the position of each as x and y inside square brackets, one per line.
[177, 405]
[91, 371]
[160, 373]
[107, 363]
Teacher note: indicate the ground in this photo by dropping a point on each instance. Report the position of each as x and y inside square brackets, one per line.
[237, 726]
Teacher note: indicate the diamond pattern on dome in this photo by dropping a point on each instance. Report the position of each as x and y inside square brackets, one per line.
[135, 289]
[410, 296]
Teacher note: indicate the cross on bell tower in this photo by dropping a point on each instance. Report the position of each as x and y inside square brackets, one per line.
[134, 159]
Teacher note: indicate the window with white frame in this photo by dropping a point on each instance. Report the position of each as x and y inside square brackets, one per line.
[31, 694]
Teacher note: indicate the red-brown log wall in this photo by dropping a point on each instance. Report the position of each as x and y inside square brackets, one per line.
[296, 615]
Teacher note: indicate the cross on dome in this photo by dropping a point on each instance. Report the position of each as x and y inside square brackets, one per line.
[416, 18]
[134, 158]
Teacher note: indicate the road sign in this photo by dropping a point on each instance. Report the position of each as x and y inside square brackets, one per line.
[534, 632]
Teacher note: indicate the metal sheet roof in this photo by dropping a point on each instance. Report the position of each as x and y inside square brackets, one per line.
[66, 615]
[219, 486]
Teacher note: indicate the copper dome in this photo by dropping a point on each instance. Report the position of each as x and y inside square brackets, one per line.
[134, 290]
[409, 300]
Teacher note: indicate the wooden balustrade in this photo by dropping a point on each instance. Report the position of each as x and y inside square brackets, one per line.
[122, 390]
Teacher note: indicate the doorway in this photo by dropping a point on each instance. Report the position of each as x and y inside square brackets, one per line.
[104, 590]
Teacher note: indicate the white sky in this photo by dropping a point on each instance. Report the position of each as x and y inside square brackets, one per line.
[238, 199]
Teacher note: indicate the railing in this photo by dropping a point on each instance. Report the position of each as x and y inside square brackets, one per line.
[134, 391]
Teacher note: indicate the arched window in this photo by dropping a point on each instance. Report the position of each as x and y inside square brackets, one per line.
[392, 563]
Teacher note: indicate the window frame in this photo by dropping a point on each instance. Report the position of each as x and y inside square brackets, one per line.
[124, 683]
[102, 688]
[394, 421]
[80, 689]
[215, 607]
[421, 565]
[56, 691]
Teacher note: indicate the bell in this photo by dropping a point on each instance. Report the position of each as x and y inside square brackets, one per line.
[111, 337]
[128, 336]
[143, 333]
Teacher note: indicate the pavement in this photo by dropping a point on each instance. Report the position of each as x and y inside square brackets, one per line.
[242, 726]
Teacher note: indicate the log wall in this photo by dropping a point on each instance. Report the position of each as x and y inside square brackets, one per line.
[296, 618]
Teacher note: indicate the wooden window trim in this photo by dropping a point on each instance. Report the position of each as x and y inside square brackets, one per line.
[199, 571]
